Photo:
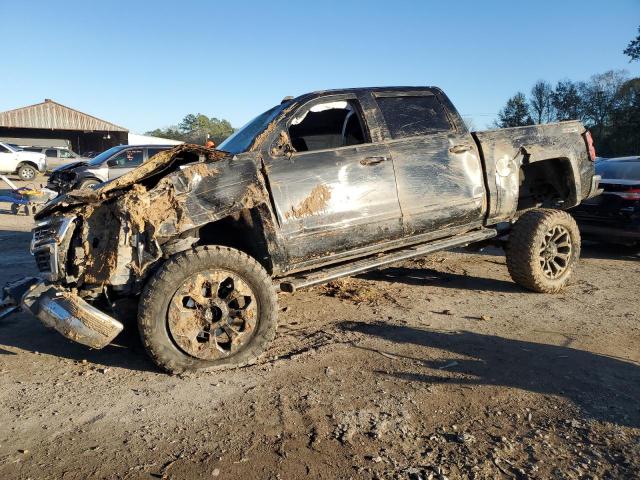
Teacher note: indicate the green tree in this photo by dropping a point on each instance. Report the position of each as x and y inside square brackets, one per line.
[515, 113]
[566, 101]
[540, 102]
[633, 49]
[622, 137]
[196, 128]
[599, 98]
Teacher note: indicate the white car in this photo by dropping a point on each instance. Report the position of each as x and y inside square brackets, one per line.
[25, 164]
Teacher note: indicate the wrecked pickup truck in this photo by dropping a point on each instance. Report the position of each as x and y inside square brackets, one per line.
[325, 185]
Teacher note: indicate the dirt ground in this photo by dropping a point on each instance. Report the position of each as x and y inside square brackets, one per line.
[438, 368]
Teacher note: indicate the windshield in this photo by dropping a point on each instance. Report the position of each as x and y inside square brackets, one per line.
[12, 147]
[242, 139]
[98, 159]
[619, 170]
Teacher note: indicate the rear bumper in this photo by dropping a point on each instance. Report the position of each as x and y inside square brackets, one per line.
[61, 310]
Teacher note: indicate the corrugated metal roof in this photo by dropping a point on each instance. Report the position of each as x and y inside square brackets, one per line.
[54, 116]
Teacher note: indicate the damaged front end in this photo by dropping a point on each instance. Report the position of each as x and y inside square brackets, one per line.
[94, 245]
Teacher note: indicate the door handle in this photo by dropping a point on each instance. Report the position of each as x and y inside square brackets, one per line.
[372, 160]
[460, 148]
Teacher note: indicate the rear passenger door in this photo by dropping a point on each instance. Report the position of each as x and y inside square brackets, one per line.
[53, 160]
[437, 165]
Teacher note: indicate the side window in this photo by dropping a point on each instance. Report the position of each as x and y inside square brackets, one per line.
[411, 116]
[51, 153]
[31, 149]
[66, 154]
[4, 149]
[128, 159]
[327, 125]
[153, 151]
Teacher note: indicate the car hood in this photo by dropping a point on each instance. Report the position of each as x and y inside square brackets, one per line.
[69, 166]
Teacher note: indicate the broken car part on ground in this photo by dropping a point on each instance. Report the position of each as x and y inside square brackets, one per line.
[325, 185]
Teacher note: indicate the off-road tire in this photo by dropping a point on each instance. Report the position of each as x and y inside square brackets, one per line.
[89, 182]
[159, 291]
[27, 172]
[523, 249]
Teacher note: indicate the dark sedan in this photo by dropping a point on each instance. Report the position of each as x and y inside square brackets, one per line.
[613, 216]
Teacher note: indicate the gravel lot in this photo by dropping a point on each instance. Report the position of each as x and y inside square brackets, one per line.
[438, 368]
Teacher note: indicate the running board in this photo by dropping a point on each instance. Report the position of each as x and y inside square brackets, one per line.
[303, 280]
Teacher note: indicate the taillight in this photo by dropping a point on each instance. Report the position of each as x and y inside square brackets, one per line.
[590, 147]
[630, 194]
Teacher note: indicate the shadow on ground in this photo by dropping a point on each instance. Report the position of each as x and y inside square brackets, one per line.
[27, 333]
[426, 276]
[604, 388]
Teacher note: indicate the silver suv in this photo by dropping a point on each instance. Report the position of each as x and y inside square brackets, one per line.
[108, 165]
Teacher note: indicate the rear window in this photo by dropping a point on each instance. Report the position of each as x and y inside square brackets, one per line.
[625, 170]
[413, 115]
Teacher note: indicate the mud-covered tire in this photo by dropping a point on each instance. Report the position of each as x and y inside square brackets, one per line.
[153, 320]
[88, 183]
[526, 250]
[27, 172]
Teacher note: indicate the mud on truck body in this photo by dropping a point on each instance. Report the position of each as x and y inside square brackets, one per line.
[325, 185]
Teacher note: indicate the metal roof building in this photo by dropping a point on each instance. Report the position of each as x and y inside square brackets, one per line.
[51, 120]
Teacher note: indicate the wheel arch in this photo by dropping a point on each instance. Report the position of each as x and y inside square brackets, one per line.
[546, 183]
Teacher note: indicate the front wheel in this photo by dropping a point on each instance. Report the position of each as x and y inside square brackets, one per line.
[88, 183]
[26, 172]
[211, 307]
[543, 248]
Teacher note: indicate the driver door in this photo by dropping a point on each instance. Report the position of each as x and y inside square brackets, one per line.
[125, 162]
[337, 190]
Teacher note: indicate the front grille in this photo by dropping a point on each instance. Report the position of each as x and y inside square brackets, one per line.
[45, 245]
[43, 260]
[44, 232]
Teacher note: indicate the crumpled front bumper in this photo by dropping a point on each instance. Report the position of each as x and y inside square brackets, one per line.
[62, 310]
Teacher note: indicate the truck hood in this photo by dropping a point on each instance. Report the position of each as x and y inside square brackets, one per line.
[161, 163]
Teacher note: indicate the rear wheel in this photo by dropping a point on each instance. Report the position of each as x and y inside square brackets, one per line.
[212, 307]
[26, 172]
[543, 248]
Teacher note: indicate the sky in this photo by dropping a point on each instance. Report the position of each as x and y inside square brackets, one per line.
[145, 65]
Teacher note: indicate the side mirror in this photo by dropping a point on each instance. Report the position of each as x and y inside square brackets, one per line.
[112, 162]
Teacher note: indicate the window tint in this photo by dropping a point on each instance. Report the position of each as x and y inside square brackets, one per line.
[127, 159]
[52, 152]
[327, 125]
[153, 151]
[412, 116]
[31, 149]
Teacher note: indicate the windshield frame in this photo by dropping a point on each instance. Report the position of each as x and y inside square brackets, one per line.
[243, 139]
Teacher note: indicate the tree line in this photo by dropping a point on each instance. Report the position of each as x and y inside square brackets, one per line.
[196, 128]
[608, 104]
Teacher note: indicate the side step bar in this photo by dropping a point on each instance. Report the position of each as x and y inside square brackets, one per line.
[295, 282]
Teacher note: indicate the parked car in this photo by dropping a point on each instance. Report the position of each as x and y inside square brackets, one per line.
[57, 156]
[108, 165]
[614, 216]
[25, 164]
[326, 185]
